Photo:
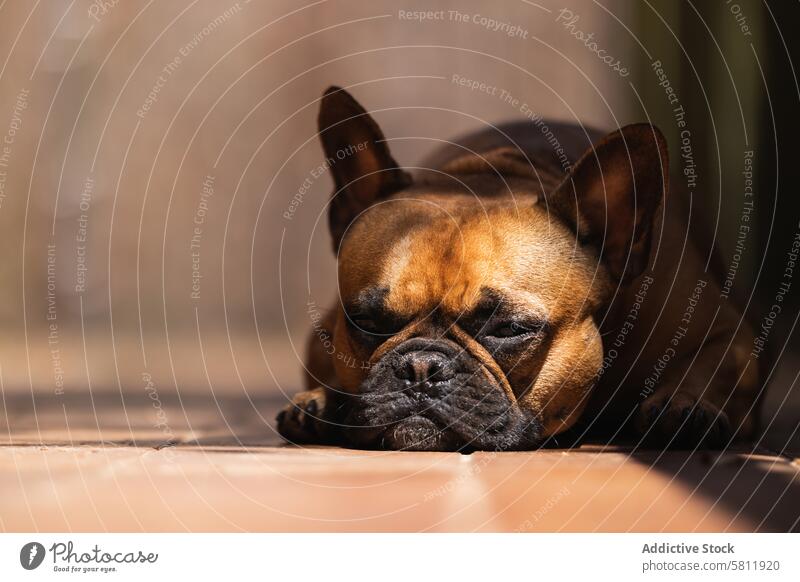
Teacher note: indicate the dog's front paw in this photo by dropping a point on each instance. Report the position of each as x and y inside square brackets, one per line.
[682, 421]
[301, 420]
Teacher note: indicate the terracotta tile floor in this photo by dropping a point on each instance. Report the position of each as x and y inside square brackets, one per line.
[99, 464]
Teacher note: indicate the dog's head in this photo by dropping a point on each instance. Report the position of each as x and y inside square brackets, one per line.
[468, 321]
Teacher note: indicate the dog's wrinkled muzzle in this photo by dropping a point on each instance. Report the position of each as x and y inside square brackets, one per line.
[431, 394]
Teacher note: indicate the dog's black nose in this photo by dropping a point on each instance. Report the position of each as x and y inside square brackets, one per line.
[424, 368]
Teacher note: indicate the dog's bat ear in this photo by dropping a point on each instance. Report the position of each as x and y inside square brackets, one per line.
[363, 170]
[611, 196]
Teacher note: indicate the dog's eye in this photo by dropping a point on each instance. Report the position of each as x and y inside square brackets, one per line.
[365, 323]
[513, 329]
[368, 324]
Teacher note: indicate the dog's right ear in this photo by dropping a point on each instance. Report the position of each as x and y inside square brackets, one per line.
[364, 171]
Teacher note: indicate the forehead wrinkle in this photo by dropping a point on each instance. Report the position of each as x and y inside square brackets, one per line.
[443, 264]
[460, 296]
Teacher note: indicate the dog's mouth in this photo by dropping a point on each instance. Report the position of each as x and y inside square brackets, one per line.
[457, 407]
[419, 433]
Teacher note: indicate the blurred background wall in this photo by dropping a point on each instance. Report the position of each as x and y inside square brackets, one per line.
[159, 210]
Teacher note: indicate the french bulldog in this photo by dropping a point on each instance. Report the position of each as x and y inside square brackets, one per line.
[525, 288]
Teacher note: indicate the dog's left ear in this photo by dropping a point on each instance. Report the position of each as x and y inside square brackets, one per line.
[363, 170]
[611, 196]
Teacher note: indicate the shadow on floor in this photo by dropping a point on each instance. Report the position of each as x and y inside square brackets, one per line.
[755, 484]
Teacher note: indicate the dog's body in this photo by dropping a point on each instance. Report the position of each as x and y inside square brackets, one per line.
[517, 289]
